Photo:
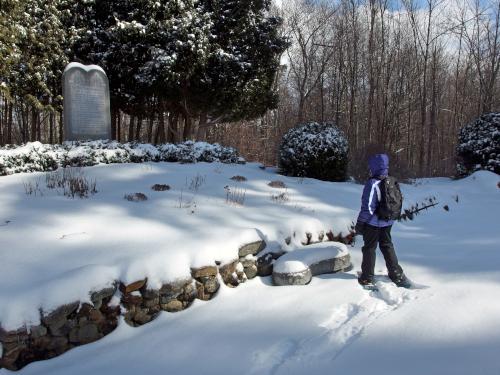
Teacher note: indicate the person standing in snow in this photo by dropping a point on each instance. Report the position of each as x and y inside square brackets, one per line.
[376, 231]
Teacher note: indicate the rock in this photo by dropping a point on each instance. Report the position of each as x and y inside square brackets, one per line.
[62, 330]
[228, 273]
[251, 248]
[211, 285]
[160, 187]
[174, 289]
[152, 302]
[292, 278]
[265, 265]
[246, 262]
[38, 331]
[204, 271]
[19, 335]
[200, 292]
[85, 334]
[150, 293]
[129, 300]
[97, 297]
[96, 316]
[173, 306]
[142, 317]
[58, 344]
[59, 315]
[251, 271]
[136, 285]
[298, 267]
[10, 356]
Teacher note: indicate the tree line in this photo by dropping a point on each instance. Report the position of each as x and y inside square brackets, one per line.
[399, 76]
[175, 67]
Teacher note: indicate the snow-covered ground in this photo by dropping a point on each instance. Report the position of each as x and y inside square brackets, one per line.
[54, 249]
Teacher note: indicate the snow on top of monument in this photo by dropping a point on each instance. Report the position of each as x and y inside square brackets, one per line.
[87, 68]
[301, 259]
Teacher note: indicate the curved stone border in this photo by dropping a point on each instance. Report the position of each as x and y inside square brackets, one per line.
[299, 266]
[77, 323]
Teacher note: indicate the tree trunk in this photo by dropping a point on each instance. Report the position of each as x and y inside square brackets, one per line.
[51, 128]
[150, 127]
[186, 134]
[131, 128]
[118, 127]
[61, 127]
[34, 124]
[202, 127]
[138, 128]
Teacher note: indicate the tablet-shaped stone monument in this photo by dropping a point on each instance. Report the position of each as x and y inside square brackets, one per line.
[86, 103]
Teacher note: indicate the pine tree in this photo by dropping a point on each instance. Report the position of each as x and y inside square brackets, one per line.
[237, 82]
[145, 47]
[9, 30]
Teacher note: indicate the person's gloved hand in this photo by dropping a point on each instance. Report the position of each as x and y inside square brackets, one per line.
[359, 228]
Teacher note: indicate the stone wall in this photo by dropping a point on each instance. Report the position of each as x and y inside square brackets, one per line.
[79, 323]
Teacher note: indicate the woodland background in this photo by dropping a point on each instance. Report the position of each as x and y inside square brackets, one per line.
[399, 76]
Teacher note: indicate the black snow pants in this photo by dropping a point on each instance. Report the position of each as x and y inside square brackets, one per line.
[382, 236]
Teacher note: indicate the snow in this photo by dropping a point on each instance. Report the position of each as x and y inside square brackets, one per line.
[451, 327]
[86, 68]
[300, 259]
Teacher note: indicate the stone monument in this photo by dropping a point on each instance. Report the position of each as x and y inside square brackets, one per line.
[86, 103]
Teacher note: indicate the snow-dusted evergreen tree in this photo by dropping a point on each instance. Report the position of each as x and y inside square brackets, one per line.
[317, 150]
[479, 145]
[146, 47]
[237, 82]
[9, 31]
[42, 44]
[198, 57]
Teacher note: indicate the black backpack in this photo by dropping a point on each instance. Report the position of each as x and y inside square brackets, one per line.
[391, 199]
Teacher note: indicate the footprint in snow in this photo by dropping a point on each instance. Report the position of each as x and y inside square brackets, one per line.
[345, 325]
[269, 359]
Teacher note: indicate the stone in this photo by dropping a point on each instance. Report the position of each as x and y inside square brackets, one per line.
[59, 315]
[142, 317]
[129, 299]
[160, 187]
[85, 334]
[173, 306]
[251, 271]
[98, 296]
[292, 278]
[248, 262]
[19, 335]
[136, 285]
[62, 330]
[86, 103]
[150, 293]
[174, 289]
[204, 271]
[228, 273]
[211, 285]
[299, 266]
[265, 265]
[152, 302]
[38, 331]
[58, 344]
[200, 292]
[96, 316]
[252, 248]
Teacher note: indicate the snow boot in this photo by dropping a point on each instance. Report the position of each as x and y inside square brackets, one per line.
[401, 281]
